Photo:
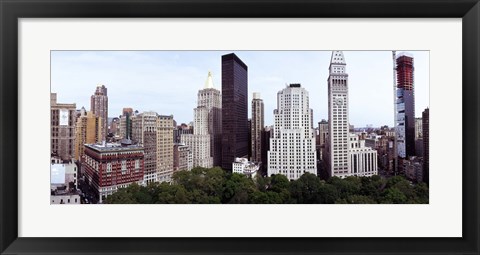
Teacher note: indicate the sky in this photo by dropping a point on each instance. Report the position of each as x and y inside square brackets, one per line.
[167, 82]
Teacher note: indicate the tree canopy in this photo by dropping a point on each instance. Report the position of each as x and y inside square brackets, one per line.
[215, 186]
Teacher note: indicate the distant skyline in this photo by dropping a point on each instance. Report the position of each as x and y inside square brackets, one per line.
[167, 82]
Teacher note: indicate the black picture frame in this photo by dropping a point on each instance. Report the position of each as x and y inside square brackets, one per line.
[12, 10]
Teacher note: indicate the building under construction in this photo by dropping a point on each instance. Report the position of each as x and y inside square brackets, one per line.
[405, 106]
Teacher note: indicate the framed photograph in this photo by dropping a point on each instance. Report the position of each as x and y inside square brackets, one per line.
[354, 68]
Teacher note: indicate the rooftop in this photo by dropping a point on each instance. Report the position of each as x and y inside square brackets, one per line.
[113, 147]
[407, 54]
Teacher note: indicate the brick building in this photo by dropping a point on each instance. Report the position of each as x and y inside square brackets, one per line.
[112, 166]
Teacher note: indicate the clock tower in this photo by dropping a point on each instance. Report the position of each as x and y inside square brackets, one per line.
[338, 123]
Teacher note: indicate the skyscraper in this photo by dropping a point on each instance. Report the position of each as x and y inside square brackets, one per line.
[205, 143]
[99, 107]
[164, 148]
[338, 123]
[144, 133]
[322, 137]
[266, 135]
[418, 128]
[211, 98]
[234, 110]
[62, 128]
[405, 108]
[126, 121]
[426, 146]
[88, 131]
[346, 153]
[257, 125]
[199, 141]
[292, 147]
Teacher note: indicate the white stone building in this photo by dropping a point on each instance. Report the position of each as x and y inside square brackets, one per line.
[338, 123]
[62, 176]
[183, 158]
[205, 142]
[243, 166]
[346, 154]
[292, 146]
[363, 160]
[62, 173]
[200, 147]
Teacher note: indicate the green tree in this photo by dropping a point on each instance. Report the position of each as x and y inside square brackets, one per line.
[281, 185]
[238, 188]
[328, 193]
[124, 195]
[306, 189]
[172, 194]
[262, 183]
[359, 199]
[346, 187]
[214, 181]
[372, 186]
[393, 196]
[421, 192]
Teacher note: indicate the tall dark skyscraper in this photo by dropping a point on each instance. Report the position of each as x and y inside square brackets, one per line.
[99, 107]
[426, 141]
[405, 106]
[234, 110]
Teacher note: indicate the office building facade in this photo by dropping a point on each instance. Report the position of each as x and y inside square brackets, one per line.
[144, 133]
[426, 144]
[62, 129]
[88, 131]
[292, 147]
[234, 110]
[112, 166]
[257, 124]
[211, 98]
[338, 121]
[164, 148]
[405, 108]
[99, 107]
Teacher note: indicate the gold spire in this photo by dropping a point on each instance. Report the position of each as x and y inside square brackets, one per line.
[209, 82]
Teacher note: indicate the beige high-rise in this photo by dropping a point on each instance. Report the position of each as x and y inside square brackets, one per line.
[99, 107]
[257, 127]
[62, 128]
[164, 148]
[144, 132]
[89, 130]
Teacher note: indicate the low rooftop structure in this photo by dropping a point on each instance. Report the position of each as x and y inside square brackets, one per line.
[243, 166]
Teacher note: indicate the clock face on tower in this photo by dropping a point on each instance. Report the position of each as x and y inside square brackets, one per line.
[339, 101]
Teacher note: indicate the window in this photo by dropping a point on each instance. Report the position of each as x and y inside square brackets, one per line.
[124, 166]
[137, 165]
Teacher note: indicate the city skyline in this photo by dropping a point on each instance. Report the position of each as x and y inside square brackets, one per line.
[142, 79]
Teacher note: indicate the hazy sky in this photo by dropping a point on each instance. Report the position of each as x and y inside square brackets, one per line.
[167, 82]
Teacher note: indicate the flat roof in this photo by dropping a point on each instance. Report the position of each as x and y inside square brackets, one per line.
[113, 147]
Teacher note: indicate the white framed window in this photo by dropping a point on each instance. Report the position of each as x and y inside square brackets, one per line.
[137, 165]
[124, 166]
